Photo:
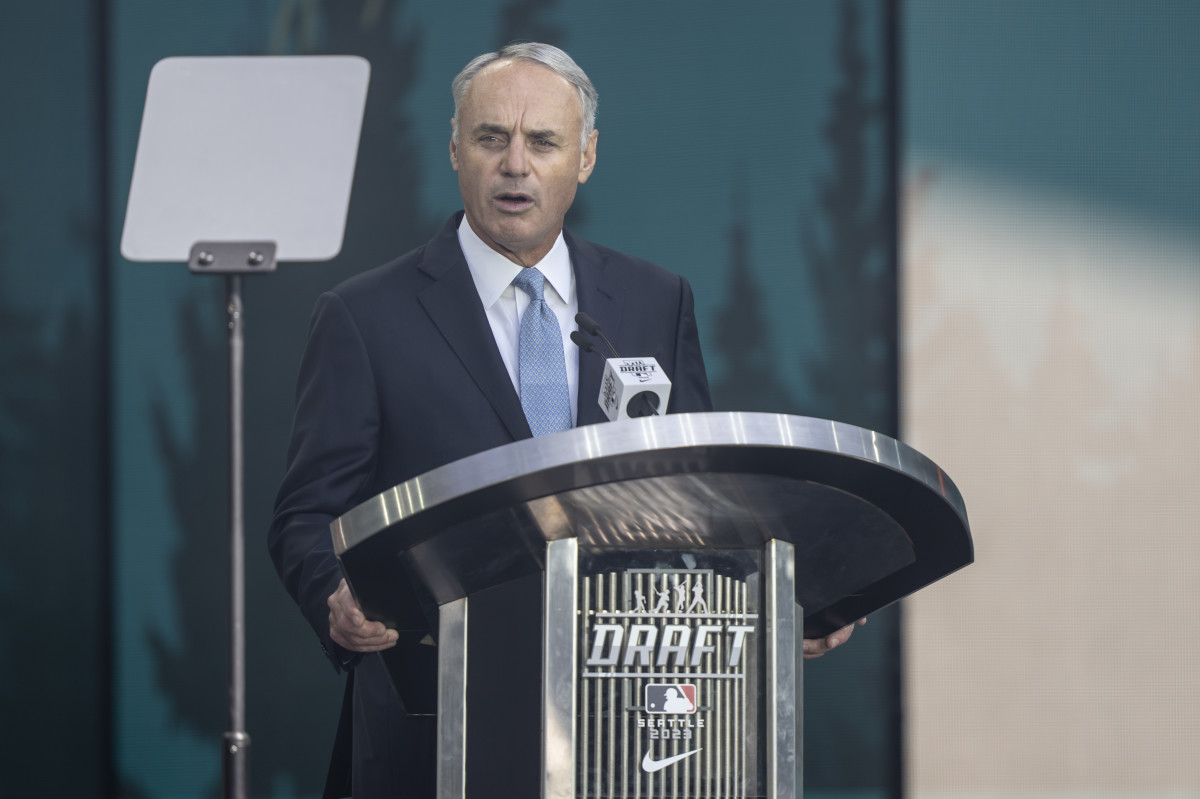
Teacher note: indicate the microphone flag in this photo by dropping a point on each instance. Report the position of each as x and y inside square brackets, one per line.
[633, 387]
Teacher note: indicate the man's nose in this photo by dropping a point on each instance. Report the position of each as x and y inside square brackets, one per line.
[516, 159]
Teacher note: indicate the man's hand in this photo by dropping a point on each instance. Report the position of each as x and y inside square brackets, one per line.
[349, 628]
[815, 647]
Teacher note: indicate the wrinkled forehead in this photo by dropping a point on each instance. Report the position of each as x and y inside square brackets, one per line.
[517, 93]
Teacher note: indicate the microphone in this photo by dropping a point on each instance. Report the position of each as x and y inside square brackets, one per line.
[630, 387]
[584, 345]
[593, 329]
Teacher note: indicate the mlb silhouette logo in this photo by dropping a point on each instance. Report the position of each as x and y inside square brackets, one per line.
[671, 698]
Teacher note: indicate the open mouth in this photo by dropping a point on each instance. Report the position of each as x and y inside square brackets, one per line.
[513, 201]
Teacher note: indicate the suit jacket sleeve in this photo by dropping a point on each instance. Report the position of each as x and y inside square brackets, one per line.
[331, 459]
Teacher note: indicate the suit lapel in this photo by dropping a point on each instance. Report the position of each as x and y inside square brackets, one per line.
[600, 298]
[452, 302]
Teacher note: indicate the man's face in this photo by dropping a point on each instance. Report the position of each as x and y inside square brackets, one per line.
[518, 158]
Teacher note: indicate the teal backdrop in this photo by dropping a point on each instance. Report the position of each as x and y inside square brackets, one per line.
[751, 149]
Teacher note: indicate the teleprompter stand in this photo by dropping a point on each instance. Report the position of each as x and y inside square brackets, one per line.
[617, 607]
[243, 161]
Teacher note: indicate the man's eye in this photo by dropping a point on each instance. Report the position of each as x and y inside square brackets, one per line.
[544, 144]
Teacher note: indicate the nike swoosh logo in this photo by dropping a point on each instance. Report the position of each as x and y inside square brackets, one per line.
[650, 766]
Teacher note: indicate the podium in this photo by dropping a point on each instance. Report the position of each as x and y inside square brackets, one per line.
[615, 610]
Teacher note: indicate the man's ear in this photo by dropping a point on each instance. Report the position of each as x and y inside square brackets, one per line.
[453, 148]
[587, 160]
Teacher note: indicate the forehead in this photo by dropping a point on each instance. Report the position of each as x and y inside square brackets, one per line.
[523, 93]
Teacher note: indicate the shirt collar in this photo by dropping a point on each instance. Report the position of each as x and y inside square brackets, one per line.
[493, 273]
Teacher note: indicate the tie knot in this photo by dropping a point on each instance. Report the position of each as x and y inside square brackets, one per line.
[532, 282]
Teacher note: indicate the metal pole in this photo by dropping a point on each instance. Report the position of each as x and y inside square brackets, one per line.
[785, 686]
[560, 649]
[452, 700]
[236, 743]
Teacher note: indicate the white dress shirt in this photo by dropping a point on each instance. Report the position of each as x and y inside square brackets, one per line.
[493, 275]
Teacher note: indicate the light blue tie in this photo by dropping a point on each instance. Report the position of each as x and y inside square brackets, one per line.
[541, 366]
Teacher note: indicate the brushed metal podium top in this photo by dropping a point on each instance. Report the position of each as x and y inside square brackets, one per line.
[872, 519]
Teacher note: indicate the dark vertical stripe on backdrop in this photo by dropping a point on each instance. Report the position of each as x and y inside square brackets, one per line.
[103, 165]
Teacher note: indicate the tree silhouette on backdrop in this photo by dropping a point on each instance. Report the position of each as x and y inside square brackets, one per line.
[750, 381]
[523, 20]
[850, 720]
[50, 574]
[846, 254]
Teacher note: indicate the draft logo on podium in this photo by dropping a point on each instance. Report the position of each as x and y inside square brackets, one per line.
[669, 662]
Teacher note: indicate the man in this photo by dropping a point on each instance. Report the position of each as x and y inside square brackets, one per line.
[455, 312]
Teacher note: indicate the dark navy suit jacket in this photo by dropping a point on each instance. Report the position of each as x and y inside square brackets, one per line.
[401, 374]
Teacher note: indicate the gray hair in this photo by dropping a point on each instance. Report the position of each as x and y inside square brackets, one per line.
[548, 56]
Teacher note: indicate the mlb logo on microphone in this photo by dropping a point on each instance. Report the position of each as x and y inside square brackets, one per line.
[672, 698]
[641, 370]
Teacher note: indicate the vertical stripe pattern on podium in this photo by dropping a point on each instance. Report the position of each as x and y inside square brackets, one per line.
[628, 748]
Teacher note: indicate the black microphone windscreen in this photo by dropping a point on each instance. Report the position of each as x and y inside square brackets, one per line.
[581, 342]
[593, 328]
[587, 323]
